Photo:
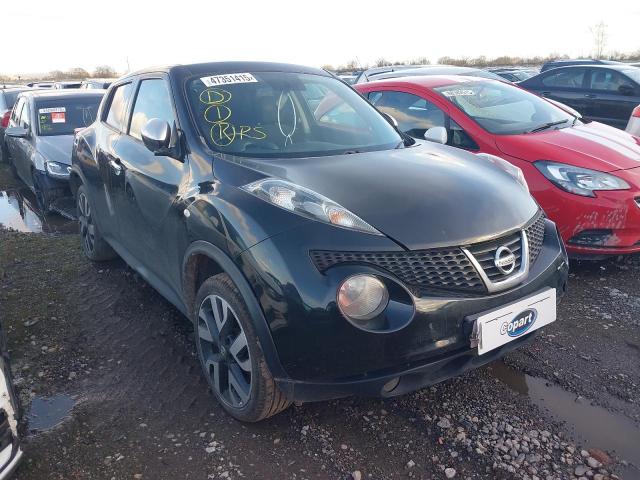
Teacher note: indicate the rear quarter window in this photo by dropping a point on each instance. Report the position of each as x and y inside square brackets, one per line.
[116, 114]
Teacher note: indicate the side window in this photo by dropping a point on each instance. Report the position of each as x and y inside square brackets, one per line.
[25, 121]
[459, 138]
[569, 78]
[15, 113]
[414, 114]
[153, 101]
[607, 80]
[116, 115]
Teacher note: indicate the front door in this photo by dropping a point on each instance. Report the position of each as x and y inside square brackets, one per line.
[146, 186]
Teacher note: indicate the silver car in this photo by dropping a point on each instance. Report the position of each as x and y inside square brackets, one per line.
[40, 136]
[633, 127]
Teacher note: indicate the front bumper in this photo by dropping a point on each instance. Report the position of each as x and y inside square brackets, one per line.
[399, 382]
[324, 356]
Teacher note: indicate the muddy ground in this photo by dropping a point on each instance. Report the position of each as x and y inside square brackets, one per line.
[111, 387]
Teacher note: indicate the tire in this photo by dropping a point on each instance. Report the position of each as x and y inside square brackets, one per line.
[230, 353]
[93, 245]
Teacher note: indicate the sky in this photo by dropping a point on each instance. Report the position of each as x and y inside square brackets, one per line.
[44, 35]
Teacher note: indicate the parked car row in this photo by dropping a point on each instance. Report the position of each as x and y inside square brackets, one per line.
[327, 241]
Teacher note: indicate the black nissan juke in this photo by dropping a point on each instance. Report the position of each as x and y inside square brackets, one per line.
[319, 252]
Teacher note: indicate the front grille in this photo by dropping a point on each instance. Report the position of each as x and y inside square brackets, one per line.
[443, 268]
[446, 268]
[535, 237]
[485, 254]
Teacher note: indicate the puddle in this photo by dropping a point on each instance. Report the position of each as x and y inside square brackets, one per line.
[19, 211]
[590, 426]
[48, 412]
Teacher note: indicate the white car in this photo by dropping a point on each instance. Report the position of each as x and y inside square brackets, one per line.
[633, 127]
[10, 452]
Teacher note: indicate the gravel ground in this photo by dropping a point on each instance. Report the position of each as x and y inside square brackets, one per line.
[103, 337]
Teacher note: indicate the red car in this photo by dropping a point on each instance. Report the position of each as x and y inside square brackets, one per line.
[586, 176]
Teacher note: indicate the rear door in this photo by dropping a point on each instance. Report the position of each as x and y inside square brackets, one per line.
[146, 188]
[612, 97]
[113, 124]
[566, 85]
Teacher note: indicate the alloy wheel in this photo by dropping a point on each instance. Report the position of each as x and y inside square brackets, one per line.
[224, 351]
[87, 228]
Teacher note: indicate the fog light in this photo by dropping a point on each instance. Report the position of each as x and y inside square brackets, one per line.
[362, 297]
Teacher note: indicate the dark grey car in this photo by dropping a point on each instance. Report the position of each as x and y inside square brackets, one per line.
[40, 136]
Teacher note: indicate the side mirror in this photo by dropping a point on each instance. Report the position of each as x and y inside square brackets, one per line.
[437, 135]
[626, 89]
[156, 136]
[17, 132]
[390, 119]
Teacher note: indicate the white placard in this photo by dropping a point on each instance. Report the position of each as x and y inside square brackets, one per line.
[505, 324]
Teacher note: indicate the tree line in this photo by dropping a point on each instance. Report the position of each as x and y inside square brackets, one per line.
[101, 71]
[477, 62]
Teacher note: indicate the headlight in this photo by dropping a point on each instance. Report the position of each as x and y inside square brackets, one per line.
[580, 181]
[307, 203]
[511, 169]
[56, 169]
[362, 297]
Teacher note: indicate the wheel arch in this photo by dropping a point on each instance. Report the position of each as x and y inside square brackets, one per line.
[75, 180]
[203, 260]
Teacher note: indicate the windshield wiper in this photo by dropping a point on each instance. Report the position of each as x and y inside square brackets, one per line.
[547, 126]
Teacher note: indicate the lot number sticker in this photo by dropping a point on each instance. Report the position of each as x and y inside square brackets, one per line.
[458, 93]
[217, 80]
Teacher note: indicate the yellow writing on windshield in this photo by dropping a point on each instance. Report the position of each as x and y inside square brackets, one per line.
[218, 112]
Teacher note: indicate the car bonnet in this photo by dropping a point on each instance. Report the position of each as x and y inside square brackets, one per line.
[421, 197]
[592, 145]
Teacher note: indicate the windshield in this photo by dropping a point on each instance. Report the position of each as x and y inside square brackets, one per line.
[61, 116]
[503, 109]
[278, 114]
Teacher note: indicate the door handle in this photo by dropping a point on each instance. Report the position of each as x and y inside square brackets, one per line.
[117, 167]
[590, 95]
[545, 94]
